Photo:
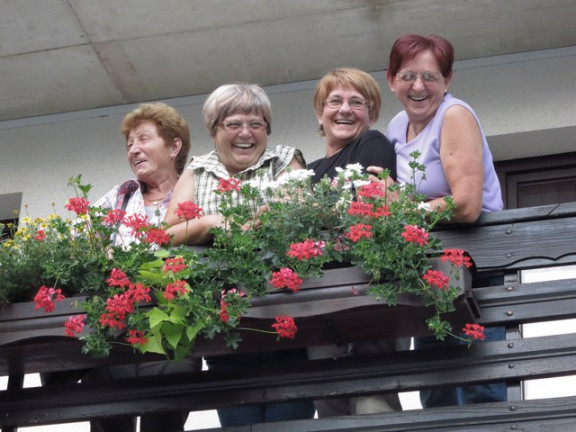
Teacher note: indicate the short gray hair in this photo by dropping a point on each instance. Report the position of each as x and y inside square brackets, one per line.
[229, 99]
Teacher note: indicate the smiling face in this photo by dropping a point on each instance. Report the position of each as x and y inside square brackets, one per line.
[149, 156]
[420, 99]
[343, 124]
[240, 148]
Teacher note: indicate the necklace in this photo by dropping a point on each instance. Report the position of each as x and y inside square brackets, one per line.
[412, 130]
[158, 201]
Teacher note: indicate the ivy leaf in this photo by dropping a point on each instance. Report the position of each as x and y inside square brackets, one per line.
[152, 264]
[192, 331]
[173, 333]
[182, 351]
[177, 315]
[162, 253]
[153, 345]
[156, 317]
[151, 276]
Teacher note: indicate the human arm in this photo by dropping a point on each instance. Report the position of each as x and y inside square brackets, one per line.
[461, 157]
[194, 231]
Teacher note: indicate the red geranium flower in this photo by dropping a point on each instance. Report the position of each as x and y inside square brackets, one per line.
[188, 210]
[372, 190]
[286, 278]
[174, 265]
[114, 216]
[361, 209]
[476, 331]
[138, 223]
[382, 211]
[158, 236]
[437, 278]
[415, 234]
[227, 185]
[285, 327]
[359, 231]
[74, 325]
[40, 235]
[139, 292]
[175, 288]
[136, 337]
[78, 205]
[306, 249]
[224, 317]
[118, 278]
[456, 257]
[46, 297]
[120, 305]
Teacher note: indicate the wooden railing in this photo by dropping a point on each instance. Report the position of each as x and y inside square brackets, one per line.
[508, 242]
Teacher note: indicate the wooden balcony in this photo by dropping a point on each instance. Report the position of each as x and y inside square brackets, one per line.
[330, 312]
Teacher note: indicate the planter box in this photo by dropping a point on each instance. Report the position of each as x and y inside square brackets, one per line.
[327, 310]
[336, 309]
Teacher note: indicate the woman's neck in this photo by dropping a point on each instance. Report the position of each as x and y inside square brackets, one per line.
[156, 192]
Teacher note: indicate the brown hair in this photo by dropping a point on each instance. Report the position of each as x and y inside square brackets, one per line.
[170, 126]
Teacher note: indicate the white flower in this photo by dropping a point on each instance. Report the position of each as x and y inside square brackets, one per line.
[425, 206]
[360, 183]
[343, 203]
[295, 176]
[350, 170]
[261, 184]
[357, 168]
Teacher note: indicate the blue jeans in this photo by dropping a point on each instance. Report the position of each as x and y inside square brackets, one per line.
[464, 395]
[471, 394]
[247, 415]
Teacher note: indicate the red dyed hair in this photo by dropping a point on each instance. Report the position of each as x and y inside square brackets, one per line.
[409, 46]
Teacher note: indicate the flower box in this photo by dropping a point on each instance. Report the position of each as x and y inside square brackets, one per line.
[336, 309]
[331, 309]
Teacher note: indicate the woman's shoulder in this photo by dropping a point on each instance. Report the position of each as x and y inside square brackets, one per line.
[455, 105]
[203, 161]
[284, 153]
[372, 137]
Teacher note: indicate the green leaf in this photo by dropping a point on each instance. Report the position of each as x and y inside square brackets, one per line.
[153, 345]
[182, 351]
[152, 264]
[162, 253]
[177, 315]
[151, 276]
[173, 333]
[192, 331]
[156, 317]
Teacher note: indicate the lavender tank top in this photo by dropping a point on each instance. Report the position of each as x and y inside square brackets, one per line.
[428, 144]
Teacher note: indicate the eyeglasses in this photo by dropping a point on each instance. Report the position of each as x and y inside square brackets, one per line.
[237, 126]
[411, 77]
[355, 104]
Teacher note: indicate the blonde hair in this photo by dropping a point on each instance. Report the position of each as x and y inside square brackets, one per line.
[359, 80]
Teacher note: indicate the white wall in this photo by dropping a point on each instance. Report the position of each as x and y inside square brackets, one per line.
[511, 94]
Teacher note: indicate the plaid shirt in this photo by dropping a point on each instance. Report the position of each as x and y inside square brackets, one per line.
[208, 170]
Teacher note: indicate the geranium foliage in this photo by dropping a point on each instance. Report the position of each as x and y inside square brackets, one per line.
[160, 299]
